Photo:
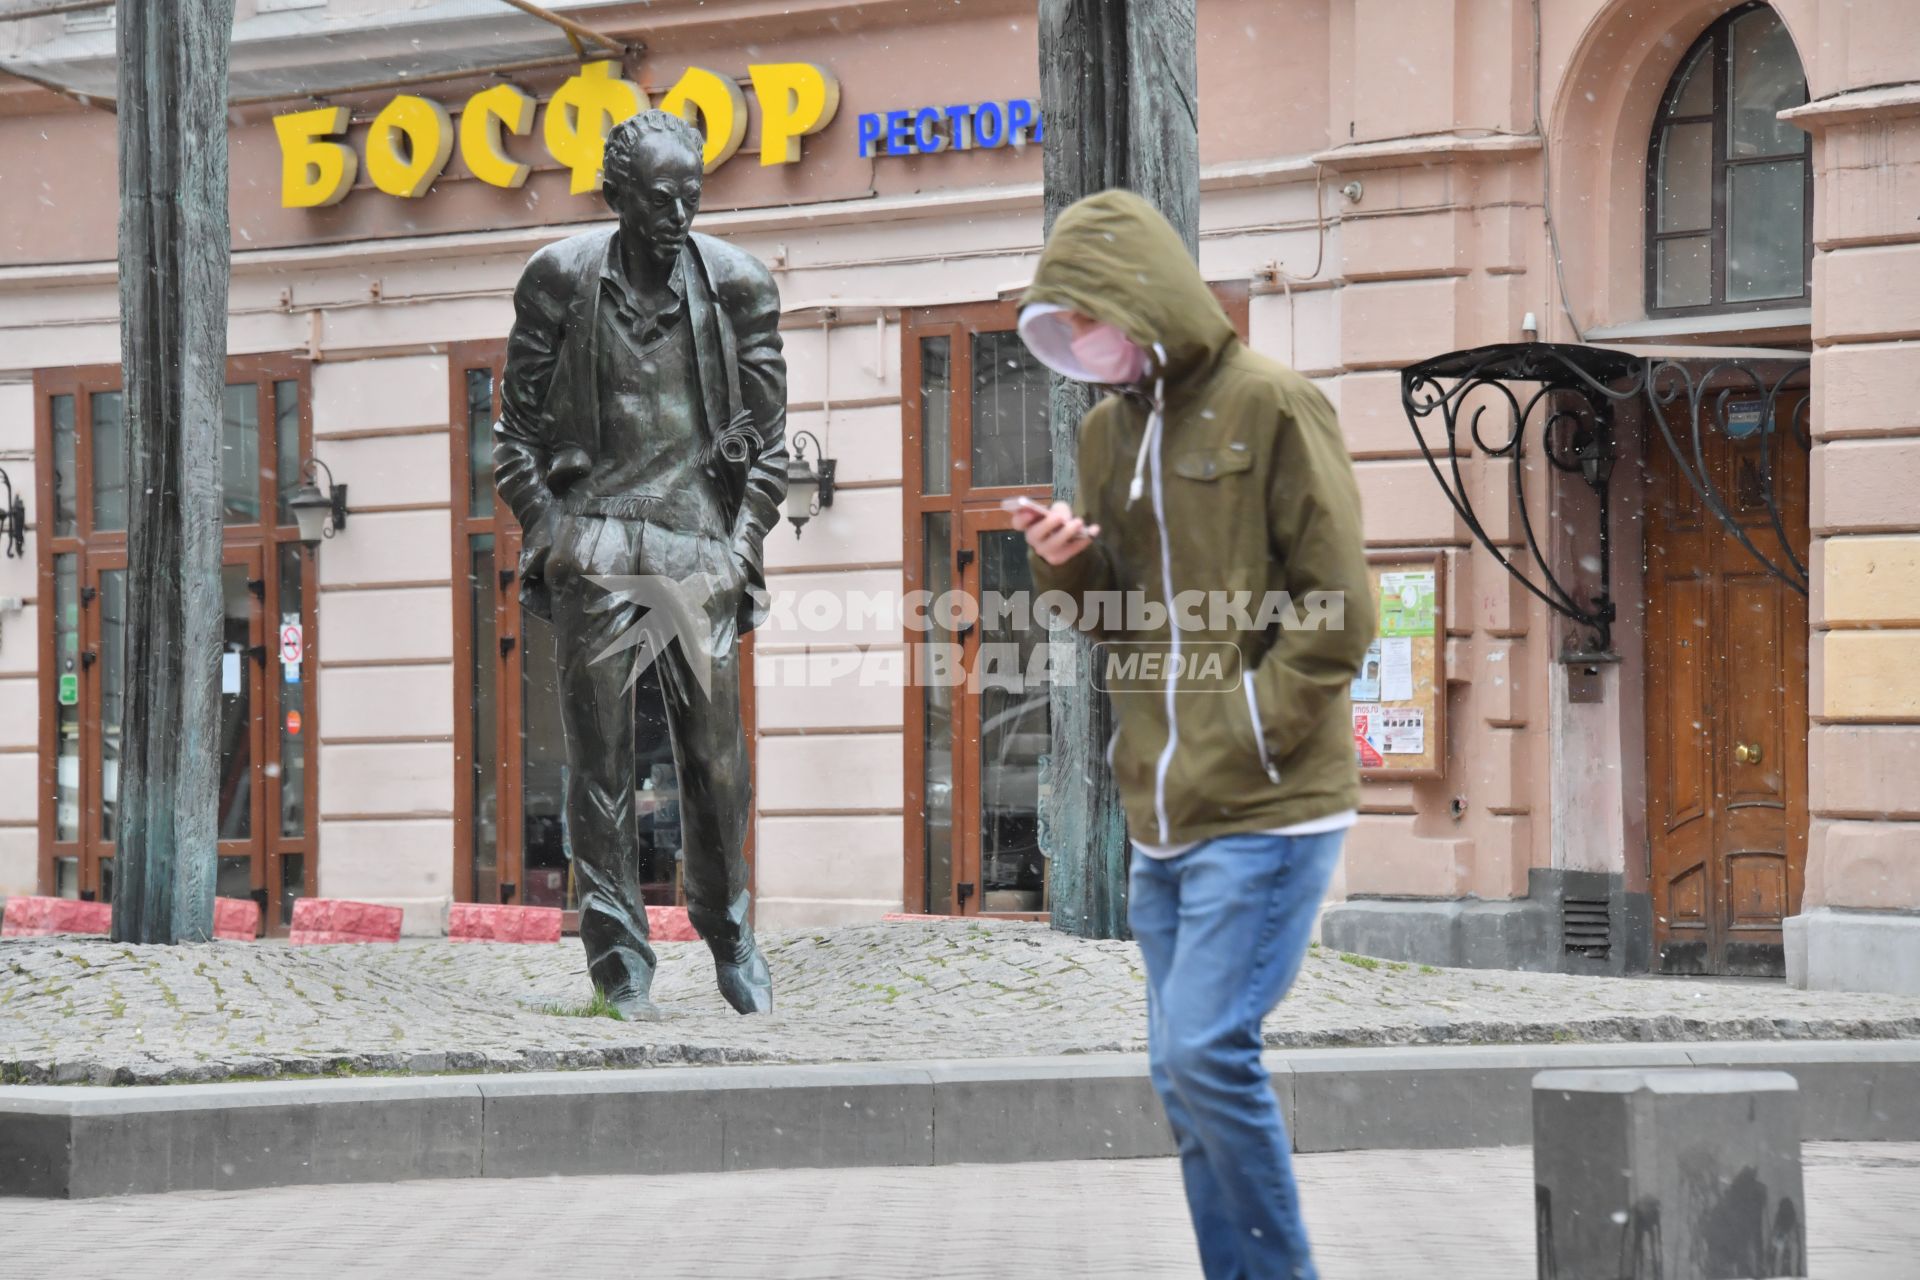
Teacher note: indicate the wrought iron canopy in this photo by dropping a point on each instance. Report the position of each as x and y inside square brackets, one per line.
[1571, 394]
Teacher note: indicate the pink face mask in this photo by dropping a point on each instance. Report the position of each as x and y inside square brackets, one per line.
[1110, 356]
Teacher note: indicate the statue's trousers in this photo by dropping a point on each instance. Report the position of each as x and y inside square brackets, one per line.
[599, 710]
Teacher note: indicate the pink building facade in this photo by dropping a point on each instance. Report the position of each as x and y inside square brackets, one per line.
[1728, 784]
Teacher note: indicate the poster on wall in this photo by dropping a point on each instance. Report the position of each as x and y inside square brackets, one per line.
[1399, 707]
[1396, 668]
[1406, 603]
[1366, 685]
[1403, 731]
[1365, 717]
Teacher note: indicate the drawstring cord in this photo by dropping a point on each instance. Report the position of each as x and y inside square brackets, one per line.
[1154, 420]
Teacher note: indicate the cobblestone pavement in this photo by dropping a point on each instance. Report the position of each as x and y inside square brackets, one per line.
[74, 1011]
[1385, 1215]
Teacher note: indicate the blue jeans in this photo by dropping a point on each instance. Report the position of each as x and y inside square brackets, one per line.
[1223, 929]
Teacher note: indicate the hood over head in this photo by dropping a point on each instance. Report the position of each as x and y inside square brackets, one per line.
[1114, 258]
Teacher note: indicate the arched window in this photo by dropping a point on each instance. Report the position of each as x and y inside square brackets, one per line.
[1730, 186]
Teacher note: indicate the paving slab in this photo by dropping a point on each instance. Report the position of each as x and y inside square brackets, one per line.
[1372, 1215]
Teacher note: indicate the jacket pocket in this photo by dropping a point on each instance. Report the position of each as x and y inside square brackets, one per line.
[1213, 496]
[1212, 464]
[1267, 765]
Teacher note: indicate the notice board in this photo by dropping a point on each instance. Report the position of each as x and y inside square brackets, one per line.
[1399, 697]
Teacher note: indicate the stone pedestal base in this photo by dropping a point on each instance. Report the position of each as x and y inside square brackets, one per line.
[1569, 922]
[1831, 950]
[1680, 1174]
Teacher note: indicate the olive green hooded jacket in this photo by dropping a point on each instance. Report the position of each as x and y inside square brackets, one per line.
[1221, 472]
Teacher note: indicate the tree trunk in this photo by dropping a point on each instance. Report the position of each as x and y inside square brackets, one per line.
[1118, 93]
[173, 342]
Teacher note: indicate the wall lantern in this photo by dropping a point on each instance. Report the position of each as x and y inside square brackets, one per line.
[809, 491]
[13, 521]
[320, 515]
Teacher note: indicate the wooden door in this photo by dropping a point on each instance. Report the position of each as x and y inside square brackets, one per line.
[1726, 700]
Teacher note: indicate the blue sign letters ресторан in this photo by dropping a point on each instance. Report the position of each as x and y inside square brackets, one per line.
[928, 130]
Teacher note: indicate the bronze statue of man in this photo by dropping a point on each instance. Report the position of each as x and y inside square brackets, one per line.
[642, 436]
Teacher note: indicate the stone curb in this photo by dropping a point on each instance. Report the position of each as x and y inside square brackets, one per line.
[69, 1142]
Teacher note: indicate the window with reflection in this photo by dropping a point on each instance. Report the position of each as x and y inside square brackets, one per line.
[1729, 183]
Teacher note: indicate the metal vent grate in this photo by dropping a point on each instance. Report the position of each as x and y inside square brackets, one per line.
[1585, 927]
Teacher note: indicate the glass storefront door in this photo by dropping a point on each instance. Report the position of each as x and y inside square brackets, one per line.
[264, 785]
[975, 420]
[977, 434]
[1004, 728]
[516, 757]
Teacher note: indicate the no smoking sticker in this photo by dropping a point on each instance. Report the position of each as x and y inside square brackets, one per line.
[1365, 732]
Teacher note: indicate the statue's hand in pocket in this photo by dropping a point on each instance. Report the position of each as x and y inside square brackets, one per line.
[533, 561]
[729, 572]
[535, 553]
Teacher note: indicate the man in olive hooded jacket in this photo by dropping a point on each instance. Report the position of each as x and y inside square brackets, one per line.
[1216, 498]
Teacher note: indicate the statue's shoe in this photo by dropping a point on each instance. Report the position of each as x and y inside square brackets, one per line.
[634, 1005]
[746, 982]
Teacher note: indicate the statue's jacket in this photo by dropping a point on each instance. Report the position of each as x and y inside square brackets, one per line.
[550, 419]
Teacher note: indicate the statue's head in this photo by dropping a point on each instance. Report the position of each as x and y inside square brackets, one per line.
[652, 180]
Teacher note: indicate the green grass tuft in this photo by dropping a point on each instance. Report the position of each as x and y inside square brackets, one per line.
[598, 1007]
[1359, 962]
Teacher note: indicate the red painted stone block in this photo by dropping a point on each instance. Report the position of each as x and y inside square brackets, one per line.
[32, 917]
[670, 924]
[324, 920]
[236, 919]
[483, 922]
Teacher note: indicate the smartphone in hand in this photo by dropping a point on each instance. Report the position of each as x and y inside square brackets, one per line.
[1038, 510]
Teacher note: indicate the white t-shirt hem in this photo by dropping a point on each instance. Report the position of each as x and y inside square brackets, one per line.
[1312, 827]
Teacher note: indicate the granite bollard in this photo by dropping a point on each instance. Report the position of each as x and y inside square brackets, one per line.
[234, 919]
[1681, 1174]
[319, 921]
[484, 922]
[35, 917]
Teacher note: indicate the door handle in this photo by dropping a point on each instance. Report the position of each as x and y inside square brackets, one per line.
[506, 645]
[1744, 754]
